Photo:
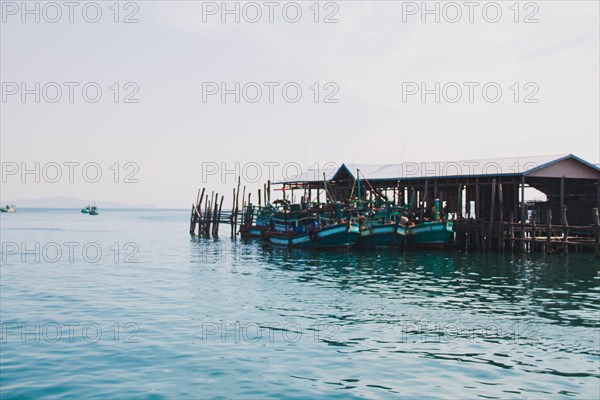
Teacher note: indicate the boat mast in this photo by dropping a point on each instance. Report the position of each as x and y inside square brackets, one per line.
[358, 184]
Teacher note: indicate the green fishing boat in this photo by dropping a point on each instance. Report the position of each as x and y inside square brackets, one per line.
[430, 234]
[305, 228]
[379, 228]
[86, 210]
[373, 236]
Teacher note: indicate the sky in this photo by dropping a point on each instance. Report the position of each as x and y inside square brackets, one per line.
[179, 95]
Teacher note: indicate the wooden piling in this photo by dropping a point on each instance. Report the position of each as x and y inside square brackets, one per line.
[231, 219]
[193, 220]
[512, 230]
[237, 208]
[214, 218]
[523, 214]
[549, 230]
[501, 242]
[565, 226]
[219, 214]
[596, 219]
[492, 209]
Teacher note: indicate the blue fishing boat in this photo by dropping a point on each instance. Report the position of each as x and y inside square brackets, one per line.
[296, 227]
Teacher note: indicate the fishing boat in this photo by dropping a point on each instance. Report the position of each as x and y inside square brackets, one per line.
[430, 234]
[86, 210]
[379, 227]
[9, 208]
[374, 235]
[308, 228]
[93, 210]
[256, 221]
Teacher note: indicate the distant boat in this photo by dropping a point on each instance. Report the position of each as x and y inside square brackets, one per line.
[9, 208]
[93, 210]
[86, 210]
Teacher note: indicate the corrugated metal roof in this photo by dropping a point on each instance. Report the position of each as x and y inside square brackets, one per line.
[419, 170]
[481, 167]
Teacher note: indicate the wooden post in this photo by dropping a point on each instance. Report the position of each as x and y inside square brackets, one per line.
[259, 199]
[423, 202]
[477, 197]
[231, 218]
[199, 212]
[468, 233]
[562, 199]
[219, 215]
[269, 191]
[459, 201]
[523, 213]
[492, 209]
[533, 243]
[549, 230]
[501, 237]
[565, 226]
[477, 235]
[512, 230]
[237, 206]
[216, 216]
[596, 219]
[193, 220]
[206, 216]
[265, 193]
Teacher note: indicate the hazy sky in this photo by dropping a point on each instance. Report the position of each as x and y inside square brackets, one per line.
[372, 61]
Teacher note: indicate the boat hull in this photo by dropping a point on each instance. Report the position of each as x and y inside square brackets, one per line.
[429, 235]
[381, 236]
[253, 232]
[340, 235]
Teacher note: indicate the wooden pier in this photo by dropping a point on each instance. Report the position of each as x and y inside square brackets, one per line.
[486, 199]
[487, 205]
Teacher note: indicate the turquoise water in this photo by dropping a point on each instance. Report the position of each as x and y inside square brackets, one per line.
[220, 318]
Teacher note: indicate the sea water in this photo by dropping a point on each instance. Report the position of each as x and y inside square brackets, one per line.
[127, 305]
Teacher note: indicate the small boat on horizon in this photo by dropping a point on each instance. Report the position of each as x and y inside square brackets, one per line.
[10, 208]
[90, 210]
